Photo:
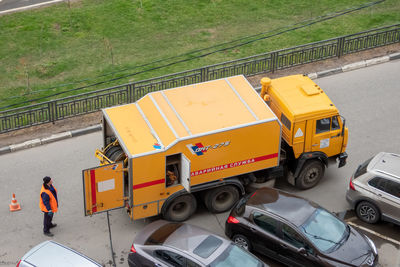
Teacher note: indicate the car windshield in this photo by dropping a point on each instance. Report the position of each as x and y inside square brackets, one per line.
[235, 256]
[324, 230]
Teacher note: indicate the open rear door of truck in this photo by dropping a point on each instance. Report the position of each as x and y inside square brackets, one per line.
[185, 172]
[103, 188]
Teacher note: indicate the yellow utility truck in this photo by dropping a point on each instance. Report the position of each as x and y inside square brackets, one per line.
[207, 141]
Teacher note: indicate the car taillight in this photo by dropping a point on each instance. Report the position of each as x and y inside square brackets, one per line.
[351, 185]
[133, 249]
[232, 219]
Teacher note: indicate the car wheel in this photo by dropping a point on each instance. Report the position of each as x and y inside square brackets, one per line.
[367, 212]
[181, 208]
[242, 241]
[310, 175]
[221, 199]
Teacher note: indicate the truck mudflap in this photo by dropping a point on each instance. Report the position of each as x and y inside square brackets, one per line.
[103, 188]
[342, 159]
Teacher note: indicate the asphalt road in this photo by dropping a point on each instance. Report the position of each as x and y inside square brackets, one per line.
[367, 98]
[7, 6]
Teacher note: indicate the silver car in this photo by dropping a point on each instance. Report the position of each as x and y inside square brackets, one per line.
[50, 253]
[374, 189]
[166, 244]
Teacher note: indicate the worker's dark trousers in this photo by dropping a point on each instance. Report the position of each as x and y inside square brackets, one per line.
[47, 222]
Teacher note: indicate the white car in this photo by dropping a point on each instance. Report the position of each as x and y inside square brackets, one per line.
[50, 253]
[374, 189]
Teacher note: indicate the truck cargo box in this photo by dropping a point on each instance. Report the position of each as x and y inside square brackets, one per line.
[184, 137]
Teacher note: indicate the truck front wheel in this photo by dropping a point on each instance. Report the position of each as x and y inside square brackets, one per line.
[310, 174]
[181, 208]
[221, 199]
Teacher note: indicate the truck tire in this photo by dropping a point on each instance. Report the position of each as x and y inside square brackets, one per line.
[221, 199]
[180, 208]
[311, 173]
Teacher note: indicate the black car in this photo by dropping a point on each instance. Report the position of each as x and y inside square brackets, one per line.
[296, 232]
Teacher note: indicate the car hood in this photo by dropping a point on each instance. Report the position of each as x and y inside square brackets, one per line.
[355, 250]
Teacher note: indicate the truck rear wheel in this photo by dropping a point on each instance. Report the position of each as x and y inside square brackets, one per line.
[311, 173]
[181, 208]
[221, 199]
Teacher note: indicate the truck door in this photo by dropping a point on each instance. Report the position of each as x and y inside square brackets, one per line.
[103, 188]
[327, 136]
[185, 171]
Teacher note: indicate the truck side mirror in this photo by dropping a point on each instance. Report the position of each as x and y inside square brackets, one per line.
[344, 125]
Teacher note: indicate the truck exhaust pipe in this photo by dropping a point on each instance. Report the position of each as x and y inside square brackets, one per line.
[265, 84]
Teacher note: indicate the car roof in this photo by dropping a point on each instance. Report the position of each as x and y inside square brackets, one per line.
[388, 163]
[187, 237]
[181, 236]
[50, 253]
[287, 206]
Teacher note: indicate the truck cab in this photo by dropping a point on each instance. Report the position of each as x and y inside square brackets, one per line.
[313, 131]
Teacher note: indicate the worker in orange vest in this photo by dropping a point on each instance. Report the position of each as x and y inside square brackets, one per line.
[48, 204]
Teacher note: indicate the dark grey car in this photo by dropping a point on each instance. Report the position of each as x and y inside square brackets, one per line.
[164, 243]
[374, 189]
[297, 232]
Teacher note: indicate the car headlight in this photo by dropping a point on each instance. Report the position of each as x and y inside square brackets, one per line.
[372, 245]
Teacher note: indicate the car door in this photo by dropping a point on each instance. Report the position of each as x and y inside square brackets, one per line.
[327, 136]
[263, 233]
[294, 249]
[388, 197]
[393, 190]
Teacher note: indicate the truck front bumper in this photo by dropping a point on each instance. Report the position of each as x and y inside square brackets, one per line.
[342, 159]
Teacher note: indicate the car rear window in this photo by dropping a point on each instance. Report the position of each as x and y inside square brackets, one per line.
[362, 168]
[207, 247]
[160, 235]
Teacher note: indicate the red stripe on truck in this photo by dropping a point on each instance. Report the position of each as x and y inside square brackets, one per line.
[233, 164]
[137, 186]
[213, 169]
[93, 186]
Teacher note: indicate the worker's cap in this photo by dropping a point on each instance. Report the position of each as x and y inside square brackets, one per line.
[46, 180]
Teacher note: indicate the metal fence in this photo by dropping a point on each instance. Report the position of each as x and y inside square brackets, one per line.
[85, 103]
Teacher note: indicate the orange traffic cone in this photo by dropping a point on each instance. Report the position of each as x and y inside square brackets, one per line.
[14, 206]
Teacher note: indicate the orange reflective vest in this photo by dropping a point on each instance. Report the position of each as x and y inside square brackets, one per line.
[53, 201]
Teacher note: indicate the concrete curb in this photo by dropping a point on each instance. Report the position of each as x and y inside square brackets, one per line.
[87, 130]
[98, 127]
[50, 139]
[356, 65]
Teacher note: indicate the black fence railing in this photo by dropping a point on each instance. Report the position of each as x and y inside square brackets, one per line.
[85, 103]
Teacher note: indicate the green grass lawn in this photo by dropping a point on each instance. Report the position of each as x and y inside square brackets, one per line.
[72, 44]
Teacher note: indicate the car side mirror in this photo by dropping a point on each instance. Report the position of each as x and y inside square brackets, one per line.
[302, 251]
